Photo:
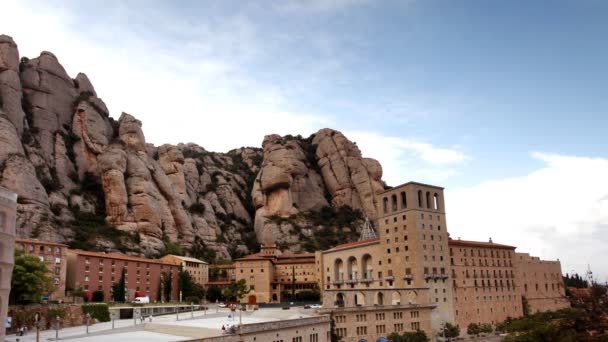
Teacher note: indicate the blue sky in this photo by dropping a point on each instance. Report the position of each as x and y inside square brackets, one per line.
[503, 102]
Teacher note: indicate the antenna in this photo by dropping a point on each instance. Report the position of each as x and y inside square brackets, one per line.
[589, 276]
[367, 231]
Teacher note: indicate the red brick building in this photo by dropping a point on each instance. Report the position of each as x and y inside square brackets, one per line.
[96, 271]
[54, 255]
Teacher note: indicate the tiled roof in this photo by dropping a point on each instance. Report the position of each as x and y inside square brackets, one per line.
[185, 258]
[478, 244]
[40, 242]
[119, 256]
[353, 244]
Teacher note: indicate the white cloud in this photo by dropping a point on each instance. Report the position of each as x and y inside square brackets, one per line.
[315, 6]
[196, 94]
[557, 211]
[405, 159]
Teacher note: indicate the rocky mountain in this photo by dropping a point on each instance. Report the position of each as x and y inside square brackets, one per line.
[88, 180]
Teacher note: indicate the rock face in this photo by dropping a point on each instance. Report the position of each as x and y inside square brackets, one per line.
[86, 179]
[299, 175]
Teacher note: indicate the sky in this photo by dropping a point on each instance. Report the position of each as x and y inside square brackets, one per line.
[503, 103]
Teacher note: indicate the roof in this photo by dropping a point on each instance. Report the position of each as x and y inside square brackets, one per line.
[40, 242]
[221, 266]
[410, 183]
[353, 244]
[118, 256]
[468, 243]
[276, 258]
[185, 258]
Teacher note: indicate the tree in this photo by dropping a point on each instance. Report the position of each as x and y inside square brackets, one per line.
[236, 290]
[78, 292]
[188, 287]
[159, 293]
[473, 329]
[119, 289]
[417, 336]
[97, 296]
[30, 280]
[449, 331]
[333, 335]
[214, 294]
[167, 279]
[486, 328]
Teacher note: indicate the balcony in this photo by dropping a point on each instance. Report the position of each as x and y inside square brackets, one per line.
[428, 276]
[443, 276]
[352, 281]
[408, 277]
[389, 278]
[366, 280]
[338, 282]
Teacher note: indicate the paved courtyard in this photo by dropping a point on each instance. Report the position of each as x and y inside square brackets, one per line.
[166, 328]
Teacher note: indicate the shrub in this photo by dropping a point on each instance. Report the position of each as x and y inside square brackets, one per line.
[197, 208]
[193, 300]
[100, 312]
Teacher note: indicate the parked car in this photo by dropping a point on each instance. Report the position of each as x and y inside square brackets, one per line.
[222, 305]
[316, 306]
[142, 300]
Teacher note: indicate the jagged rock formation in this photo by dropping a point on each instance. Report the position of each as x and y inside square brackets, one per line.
[302, 175]
[86, 179]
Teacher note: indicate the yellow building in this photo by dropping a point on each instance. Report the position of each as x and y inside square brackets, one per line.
[484, 282]
[198, 269]
[8, 214]
[361, 299]
[273, 276]
[540, 282]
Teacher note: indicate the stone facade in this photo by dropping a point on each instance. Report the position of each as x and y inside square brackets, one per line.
[540, 282]
[8, 204]
[273, 276]
[484, 282]
[54, 255]
[414, 244]
[362, 302]
[198, 269]
[310, 329]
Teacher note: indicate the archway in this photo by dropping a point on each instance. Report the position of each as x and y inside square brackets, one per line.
[359, 299]
[366, 267]
[339, 299]
[411, 297]
[379, 299]
[339, 269]
[352, 268]
[396, 298]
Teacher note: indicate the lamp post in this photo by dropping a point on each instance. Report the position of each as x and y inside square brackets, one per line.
[37, 319]
[88, 322]
[56, 327]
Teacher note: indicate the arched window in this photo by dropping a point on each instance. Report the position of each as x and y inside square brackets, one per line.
[339, 270]
[436, 201]
[394, 202]
[352, 268]
[385, 205]
[428, 200]
[366, 267]
[403, 200]
[420, 198]
[339, 299]
[396, 298]
[359, 299]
